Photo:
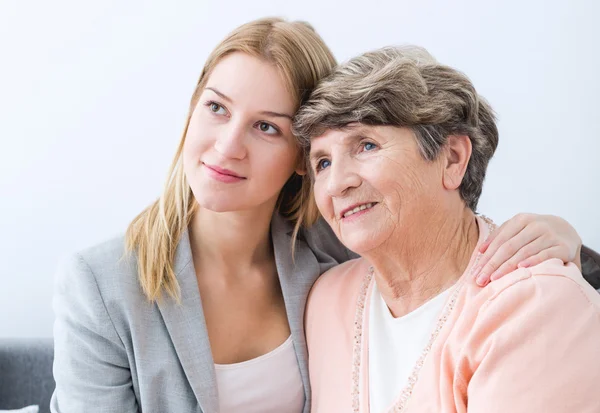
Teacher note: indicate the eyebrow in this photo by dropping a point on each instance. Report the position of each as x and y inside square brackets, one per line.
[222, 95]
[276, 114]
[354, 136]
[264, 112]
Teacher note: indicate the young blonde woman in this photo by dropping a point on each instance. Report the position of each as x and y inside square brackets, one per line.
[200, 307]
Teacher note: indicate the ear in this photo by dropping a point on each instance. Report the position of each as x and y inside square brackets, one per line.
[301, 170]
[301, 166]
[457, 153]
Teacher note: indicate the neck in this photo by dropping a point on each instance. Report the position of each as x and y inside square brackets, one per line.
[231, 240]
[430, 257]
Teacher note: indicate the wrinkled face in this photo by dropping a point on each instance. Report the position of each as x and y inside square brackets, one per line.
[239, 150]
[372, 184]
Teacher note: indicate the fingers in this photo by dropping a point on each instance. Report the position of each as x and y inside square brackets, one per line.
[555, 251]
[507, 244]
[530, 250]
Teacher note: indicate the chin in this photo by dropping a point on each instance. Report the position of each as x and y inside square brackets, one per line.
[219, 203]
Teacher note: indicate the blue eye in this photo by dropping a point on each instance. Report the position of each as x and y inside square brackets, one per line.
[322, 164]
[368, 146]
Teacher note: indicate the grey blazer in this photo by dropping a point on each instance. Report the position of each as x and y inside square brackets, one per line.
[117, 352]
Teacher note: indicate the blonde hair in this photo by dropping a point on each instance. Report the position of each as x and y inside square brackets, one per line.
[303, 59]
[406, 87]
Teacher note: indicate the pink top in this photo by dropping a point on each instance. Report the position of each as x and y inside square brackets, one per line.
[529, 342]
[270, 383]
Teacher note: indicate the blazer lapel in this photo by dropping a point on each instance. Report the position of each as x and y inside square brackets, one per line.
[296, 277]
[187, 328]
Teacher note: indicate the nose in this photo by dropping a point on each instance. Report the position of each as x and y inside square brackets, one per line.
[341, 178]
[230, 141]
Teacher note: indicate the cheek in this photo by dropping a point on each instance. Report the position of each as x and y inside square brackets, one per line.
[321, 198]
[188, 147]
[273, 163]
[413, 188]
[197, 140]
[190, 156]
[194, 152]
[410, 172]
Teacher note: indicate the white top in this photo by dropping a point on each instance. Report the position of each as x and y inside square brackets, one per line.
[270, 383]
[395, 345]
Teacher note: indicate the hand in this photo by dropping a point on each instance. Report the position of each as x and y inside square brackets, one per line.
[524, 241]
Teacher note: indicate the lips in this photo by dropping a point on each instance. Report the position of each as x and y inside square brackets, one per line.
[223, 171]
[356, 208]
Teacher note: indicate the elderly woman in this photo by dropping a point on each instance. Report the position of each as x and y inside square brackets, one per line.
[399, 147]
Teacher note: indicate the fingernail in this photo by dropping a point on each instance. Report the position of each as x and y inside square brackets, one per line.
[523, 265]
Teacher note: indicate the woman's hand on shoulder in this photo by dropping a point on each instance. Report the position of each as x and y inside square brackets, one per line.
[524, 241]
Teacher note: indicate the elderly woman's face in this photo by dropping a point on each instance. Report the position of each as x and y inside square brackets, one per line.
[371, 181]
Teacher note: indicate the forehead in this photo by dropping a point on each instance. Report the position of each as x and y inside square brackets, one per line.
[249, 80]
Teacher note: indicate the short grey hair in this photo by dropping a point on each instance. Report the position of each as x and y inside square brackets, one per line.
[405, 87]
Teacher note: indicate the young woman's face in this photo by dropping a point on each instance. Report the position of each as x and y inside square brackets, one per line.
[239, 150]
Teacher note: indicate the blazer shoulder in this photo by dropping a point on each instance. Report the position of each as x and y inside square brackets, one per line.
[108, 265]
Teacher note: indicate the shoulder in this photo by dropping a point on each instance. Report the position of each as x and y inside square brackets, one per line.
[105, 269]
[558, 282]
[339, 286]
[331, 303]
[547, 297]
[541, 325]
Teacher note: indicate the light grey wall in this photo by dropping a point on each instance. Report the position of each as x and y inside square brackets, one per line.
[93, 96]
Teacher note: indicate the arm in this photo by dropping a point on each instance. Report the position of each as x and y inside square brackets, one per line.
[91, 369]
[534, 348]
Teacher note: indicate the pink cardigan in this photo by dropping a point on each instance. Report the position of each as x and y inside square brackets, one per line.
[529, 342]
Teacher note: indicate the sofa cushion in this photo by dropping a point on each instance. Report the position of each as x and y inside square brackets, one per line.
[28, 409]
[26, 373]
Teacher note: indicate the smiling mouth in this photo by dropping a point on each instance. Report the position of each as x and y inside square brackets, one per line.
[358, 209]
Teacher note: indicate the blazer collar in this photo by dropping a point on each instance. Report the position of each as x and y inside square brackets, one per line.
[187, 327]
